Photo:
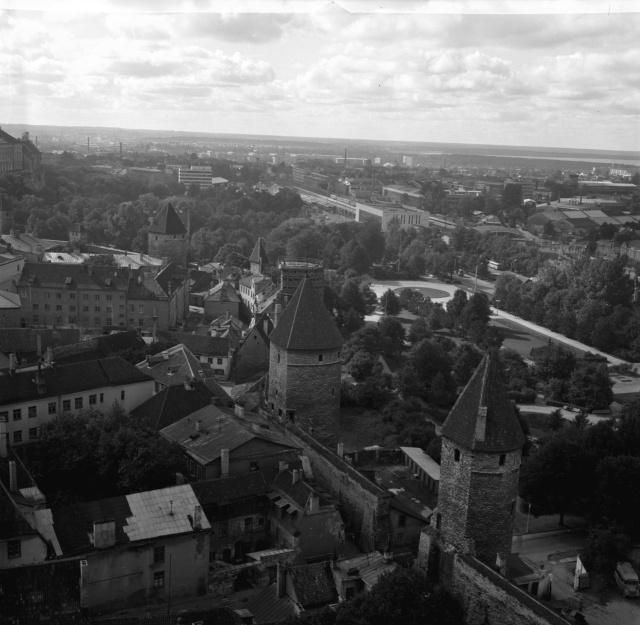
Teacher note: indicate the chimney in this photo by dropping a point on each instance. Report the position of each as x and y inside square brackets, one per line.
[296, 476]
[13, 477]
[256, 427]
[40, 383]
[197, 518]
[239, 410]
[313, 504]
[277, 313]
[501, 564]
[25, 136]
[197, 424]
[12, 363]
[282, 466]
[188, 383]
[104, 533]
[3, 437]
[281, 579]
[224, 462]
[179, 479]
[265, 325]
[139, 278]
[165, 355]
[39, 343]
[215, 400]
[481, 423]
[49, 359]
[341, 450]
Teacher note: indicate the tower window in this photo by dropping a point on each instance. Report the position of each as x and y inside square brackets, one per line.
[513, 507]
[456, 455]
[502, 459]
[333, 392]
[438, 520]
[278, 357]
[320, 357]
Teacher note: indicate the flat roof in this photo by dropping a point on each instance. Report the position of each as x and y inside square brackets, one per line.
[424, 461]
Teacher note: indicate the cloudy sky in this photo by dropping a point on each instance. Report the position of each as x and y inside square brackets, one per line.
[467, 71]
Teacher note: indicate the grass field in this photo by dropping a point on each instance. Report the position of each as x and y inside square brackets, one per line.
[518, 338]
[426, 291]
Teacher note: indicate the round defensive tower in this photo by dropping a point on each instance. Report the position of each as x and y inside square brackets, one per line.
[305, 364]
[167, 236]
[293, 271]
[480, 465]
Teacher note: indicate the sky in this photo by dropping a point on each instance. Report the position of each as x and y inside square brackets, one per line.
[564, 74]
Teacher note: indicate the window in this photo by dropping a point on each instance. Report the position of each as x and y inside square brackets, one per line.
[456, 455]
[96, 297]
[158, 579]
[85, 309]
[400, 538]
[218, 372]
[47, 295]
[35, 306]
[93, 399]
[85, 296]
[33, 433]
[23, 294]
[102, 398]
[35, 318]
[14, 549]
[333, 392]
[122, 297]
[438, 521]
[73, 319]
[17, 414]
[96, 320]
[513, 507]
[320, 356]
[248, 524]
[502, 459]
[158, 555]
[109, 309]
[132, 308]
[51, 407]
[47, 307]
[33, 411]
[66, 404]
[140, 322]
[58, 319]
[108, 298]
[121, 307]
[210, 361]
[278, 357]
[96, 309]
[402, 520]
[141, 309]
[72, 295]
[58, 295]
[121, 395]
[17, 436]
[78, 402]
[219, 361]
[4, 415]
[223, 529]
[59, 307]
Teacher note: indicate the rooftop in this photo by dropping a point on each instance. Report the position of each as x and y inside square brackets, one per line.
[172, 366]
[167, 222]
[73, 277]
[197, 343]
[424, 461]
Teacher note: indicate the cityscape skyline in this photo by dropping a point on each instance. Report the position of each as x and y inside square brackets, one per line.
[326, 70]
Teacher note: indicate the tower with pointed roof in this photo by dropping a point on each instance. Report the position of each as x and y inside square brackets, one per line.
[480, 464]
[259, 259]
[305, 363]
[167, 236]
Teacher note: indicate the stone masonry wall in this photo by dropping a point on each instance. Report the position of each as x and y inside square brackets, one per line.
[310, 388]
[364, 505]
[175, 249]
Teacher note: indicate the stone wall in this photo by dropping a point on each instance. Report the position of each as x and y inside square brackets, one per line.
[173, 247]
[364, 505]
[301, 383]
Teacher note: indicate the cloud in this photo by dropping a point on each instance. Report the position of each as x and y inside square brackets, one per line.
[238, 27]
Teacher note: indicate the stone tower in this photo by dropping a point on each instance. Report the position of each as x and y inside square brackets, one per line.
[305, 363]
[168, 236]
[259, 259]
[6, 217]
[481, 453]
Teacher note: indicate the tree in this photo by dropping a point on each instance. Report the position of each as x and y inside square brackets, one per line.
[393, 335]
[390, 303]
[456, 305]
[419, 330]
[476, 311]
[553, 361]
[372, 239]
[403, 597]
[353, 256]
[363, 365]
[605, 545]
[424, 361]
[103, 260]
[590, 387]
[555, 477]
[466, 359]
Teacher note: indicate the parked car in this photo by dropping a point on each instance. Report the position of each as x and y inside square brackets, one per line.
[626, 579]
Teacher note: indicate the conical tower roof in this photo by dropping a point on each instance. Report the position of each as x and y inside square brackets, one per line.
[306, 324]
[167, 222]
[259, 254]
[483, 418]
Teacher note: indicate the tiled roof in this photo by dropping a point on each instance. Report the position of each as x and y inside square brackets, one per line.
[314, 584]
[306, 323]
[25, 340]
[100, 347]
[144, 285]
[198, 344]
[200, 281]
[175, 402]
[167, 222]
[173, 274]
[140, 516]
[12, 521]
[179, 364]
[9, 300]
[223, 292]
[218, 430]
[72, 276]
[224, 490]
[268, 608]
[68, 378]
[259, 253]
[485, 392]
[297, 493]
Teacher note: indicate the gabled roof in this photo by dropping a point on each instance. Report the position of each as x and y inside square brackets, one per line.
[205, 433]
[100, 347]
[172, 366]
[223, 292]
[197, 343]
[267, 607]
[259, 253]
[176, 402]
[9, 300]
[167, 222]
[306, 323]
[223, 491]
[68, 378]
[12, 522]
[483, 418]
[73, 276]
[313, 584]
[25, 340]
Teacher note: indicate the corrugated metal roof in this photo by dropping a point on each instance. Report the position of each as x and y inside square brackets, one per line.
[424, 461]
